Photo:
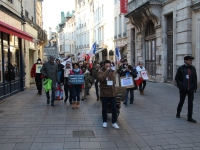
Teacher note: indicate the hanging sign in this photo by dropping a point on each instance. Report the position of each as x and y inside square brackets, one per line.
[123, 6]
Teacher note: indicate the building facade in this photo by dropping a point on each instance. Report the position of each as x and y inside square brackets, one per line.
[83, 30]
[70, 36]
[12, 48]
[103, 29]
[160, 33]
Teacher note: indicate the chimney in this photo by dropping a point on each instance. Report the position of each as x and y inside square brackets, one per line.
[50, 34]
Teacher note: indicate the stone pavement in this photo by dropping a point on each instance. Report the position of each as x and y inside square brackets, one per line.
[27, 122]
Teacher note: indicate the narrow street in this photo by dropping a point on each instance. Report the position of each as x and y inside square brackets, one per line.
[26, 122]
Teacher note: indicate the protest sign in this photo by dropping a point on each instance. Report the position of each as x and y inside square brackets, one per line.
[127, 82]
[144, 75]
[76, 79]
[38, 68]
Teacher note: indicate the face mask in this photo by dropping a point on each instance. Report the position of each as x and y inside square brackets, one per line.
[39, 62]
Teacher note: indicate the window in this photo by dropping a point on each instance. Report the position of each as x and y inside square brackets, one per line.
[102, 11]
[120, 24]
[11, 1]
[32, 18]
[115, 26]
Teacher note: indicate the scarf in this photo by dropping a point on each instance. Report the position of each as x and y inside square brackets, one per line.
[76, 70]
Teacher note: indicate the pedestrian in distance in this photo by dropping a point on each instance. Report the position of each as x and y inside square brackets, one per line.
[107, 79]
[76, 88]
[95, 80]
[37, 76]
[186, 79]
[60, 68]
[64, 80]
[50, 70]
[130, 72]
[142, 85]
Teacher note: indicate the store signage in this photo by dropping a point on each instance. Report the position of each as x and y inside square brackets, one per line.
[123, 6]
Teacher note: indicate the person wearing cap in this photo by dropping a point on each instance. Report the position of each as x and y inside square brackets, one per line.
[50, 70]
[186, 79]
[95, 79]
[37, 76]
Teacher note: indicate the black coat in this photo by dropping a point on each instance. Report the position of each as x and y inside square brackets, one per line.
[182, 82]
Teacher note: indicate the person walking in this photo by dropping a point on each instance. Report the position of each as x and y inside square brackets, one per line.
[50, 70]
[122, 68]
[60, 68]
[142, 85]
[76, 88]
[107, 79]
[130, 72]
[96, 81]
[64, 80]
[186, 79]
[37, 75]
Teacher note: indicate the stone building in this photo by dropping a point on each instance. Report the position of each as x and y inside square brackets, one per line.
[161, 33]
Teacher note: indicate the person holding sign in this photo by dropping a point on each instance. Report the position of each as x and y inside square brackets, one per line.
[76, 88]
[35, 73]
[107, 79]
[130, 72]
[142, 85]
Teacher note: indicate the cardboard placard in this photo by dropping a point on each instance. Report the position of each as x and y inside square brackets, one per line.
[144, 75]
[127, 82]
[76, 78]
[38, 68]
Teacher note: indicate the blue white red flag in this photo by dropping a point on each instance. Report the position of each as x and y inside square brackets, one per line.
[118, 55]
[92, 50]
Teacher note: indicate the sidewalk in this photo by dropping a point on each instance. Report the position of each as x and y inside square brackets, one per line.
[27, 122]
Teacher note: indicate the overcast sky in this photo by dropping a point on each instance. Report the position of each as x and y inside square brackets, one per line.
[52, 12]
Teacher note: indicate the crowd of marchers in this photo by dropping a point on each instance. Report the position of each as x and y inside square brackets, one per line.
[103, 76]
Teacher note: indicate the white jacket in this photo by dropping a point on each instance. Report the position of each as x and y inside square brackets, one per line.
[140, 69]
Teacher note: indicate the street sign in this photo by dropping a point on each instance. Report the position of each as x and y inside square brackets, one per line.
[76, 79]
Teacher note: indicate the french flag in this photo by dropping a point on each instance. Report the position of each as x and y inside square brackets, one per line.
[118, 55]
[92, 50]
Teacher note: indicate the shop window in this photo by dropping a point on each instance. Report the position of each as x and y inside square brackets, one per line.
[11, 58]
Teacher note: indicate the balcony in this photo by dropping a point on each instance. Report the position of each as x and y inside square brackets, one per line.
[134, 4]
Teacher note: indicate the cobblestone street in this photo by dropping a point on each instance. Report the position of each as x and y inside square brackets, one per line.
[27, 122]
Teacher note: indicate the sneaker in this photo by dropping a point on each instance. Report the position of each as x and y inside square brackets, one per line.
[178, 115]
[192, 120]
[115, 125]
[105, 124]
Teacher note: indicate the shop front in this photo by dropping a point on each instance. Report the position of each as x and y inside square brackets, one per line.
[12, 74]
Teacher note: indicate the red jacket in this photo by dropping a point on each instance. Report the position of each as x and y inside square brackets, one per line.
[33, 71]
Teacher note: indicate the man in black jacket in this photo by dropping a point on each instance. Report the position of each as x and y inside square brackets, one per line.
[186, 79]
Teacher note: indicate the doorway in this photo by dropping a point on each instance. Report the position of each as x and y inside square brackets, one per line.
[150, 50]
[170, 48]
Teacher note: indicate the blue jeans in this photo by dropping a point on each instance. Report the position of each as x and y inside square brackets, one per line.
[76, 90]
[131, 95]
[97, 89]
[112, 101]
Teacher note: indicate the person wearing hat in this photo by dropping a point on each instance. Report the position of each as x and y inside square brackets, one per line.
[37, 75]
[50, 70]
[186, 79]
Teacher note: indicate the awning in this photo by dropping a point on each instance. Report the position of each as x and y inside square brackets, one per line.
[14, 31]
[99, 50]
